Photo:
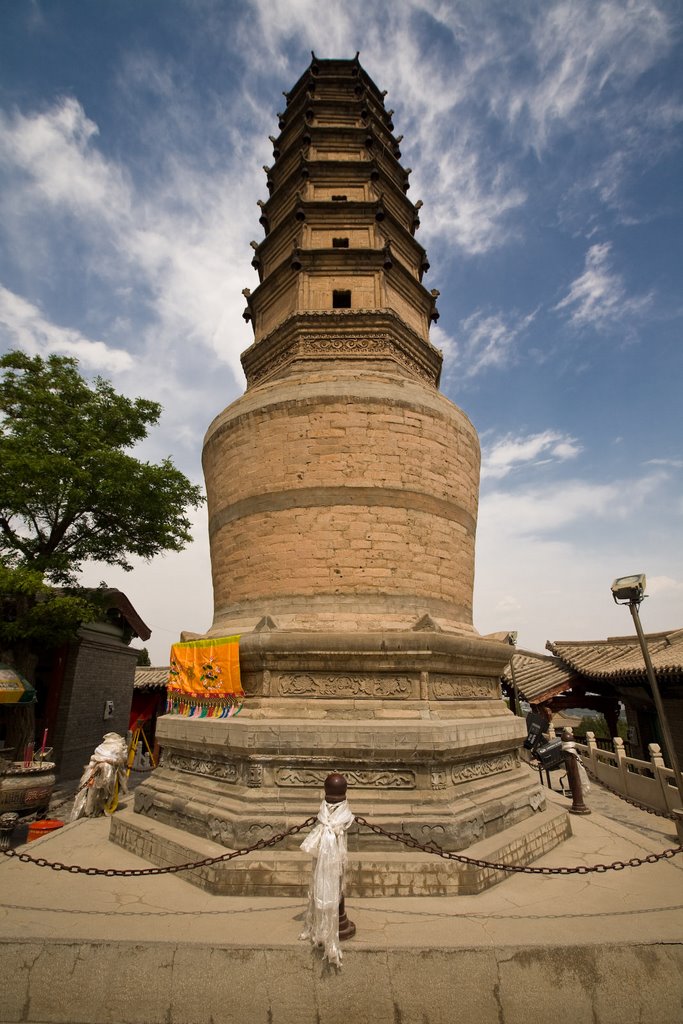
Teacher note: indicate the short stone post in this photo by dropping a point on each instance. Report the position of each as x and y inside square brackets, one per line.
[571, 763]
[658, 767]
[593, 748]
[335, 793]
[8, 823]
[620, 751]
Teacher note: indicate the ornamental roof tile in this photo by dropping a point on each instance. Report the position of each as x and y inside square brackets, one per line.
[149, 677]
[621, 657]
[537, 676]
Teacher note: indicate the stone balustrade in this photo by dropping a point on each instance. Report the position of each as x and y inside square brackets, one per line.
[649, 782]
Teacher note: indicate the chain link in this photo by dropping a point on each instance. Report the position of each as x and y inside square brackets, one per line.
[522, 869]
[171, 869]
[398, 837]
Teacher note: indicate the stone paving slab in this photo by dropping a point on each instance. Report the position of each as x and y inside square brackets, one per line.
[95, 950]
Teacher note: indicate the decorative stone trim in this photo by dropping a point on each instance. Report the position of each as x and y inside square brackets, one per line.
[255, 776]
[344, 686]
[461, 687]
[480, 769]
[380, 779]
[358, 333]
[200, 766]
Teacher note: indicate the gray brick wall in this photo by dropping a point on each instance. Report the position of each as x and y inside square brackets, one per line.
[100, 668]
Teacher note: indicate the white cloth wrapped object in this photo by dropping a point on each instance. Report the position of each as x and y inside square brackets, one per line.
[327, 843]
[106, 768]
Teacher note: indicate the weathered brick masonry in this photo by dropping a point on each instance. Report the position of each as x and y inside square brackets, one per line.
[342, 497]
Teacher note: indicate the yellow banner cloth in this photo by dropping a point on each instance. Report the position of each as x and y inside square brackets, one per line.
[204, 678]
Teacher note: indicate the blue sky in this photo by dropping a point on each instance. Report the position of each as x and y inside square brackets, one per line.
[546, 143]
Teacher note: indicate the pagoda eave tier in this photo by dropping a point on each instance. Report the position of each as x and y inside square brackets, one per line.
[308, 163]
[340, 217]
[357, 334]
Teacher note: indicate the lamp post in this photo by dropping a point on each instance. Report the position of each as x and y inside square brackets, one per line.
[630, 590]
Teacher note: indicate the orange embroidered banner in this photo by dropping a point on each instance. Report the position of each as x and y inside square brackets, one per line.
[204, 678]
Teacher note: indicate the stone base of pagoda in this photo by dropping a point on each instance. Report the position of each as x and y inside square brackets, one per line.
[413, 719]
[370, 873]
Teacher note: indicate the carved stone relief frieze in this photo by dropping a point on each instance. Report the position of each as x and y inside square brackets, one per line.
[461, 687]
[201, 766]
[255, 775]
[379, 779]
[337, 685]
[482, 768]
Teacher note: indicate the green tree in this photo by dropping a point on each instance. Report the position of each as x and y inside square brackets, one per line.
[143, 657]
[34, 615]
[71, 492]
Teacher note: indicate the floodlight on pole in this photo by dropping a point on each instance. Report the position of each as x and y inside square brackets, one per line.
[630, 590]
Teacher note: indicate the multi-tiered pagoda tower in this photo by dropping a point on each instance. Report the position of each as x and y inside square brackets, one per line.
[342, 495]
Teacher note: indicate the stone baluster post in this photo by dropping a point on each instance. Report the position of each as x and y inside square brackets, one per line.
[658, 766]
[620, 752]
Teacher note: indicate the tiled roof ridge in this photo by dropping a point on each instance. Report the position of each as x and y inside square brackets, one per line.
[620, 656]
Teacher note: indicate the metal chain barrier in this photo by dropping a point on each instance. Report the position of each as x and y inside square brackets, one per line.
[171, 869]
[627, 799]
[580, 869]
[397, 837]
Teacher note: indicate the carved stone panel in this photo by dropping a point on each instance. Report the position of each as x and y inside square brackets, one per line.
[381, 779]
[200, 766]
[461, 687]
[255, 775]
[345, 686]
[480, 769]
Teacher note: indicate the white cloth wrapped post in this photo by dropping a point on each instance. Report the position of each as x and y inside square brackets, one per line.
[327, 843]
[106, 769]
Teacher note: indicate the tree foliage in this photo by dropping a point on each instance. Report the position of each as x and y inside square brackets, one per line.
[143, 657]
[70, 491]
[34, 615]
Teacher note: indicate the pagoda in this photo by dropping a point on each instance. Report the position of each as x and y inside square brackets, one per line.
[342, 497]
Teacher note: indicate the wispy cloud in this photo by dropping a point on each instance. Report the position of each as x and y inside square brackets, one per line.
[670, 463]
[580, 51]
[179, 248]
[546, 557]
[598, 297]
[488, 339]
[510, 453]
[23, 325]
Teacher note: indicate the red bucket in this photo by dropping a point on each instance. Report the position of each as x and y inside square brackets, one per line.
[42, 828]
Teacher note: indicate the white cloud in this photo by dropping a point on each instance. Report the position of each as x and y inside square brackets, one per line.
[546, 558]
[578, 50]
[179, 247]
[488, 340]
[598, 297]
[664, 585]
[533, 511]
[671, 463]
[509, 453]
[172, 594]
[25, 327]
